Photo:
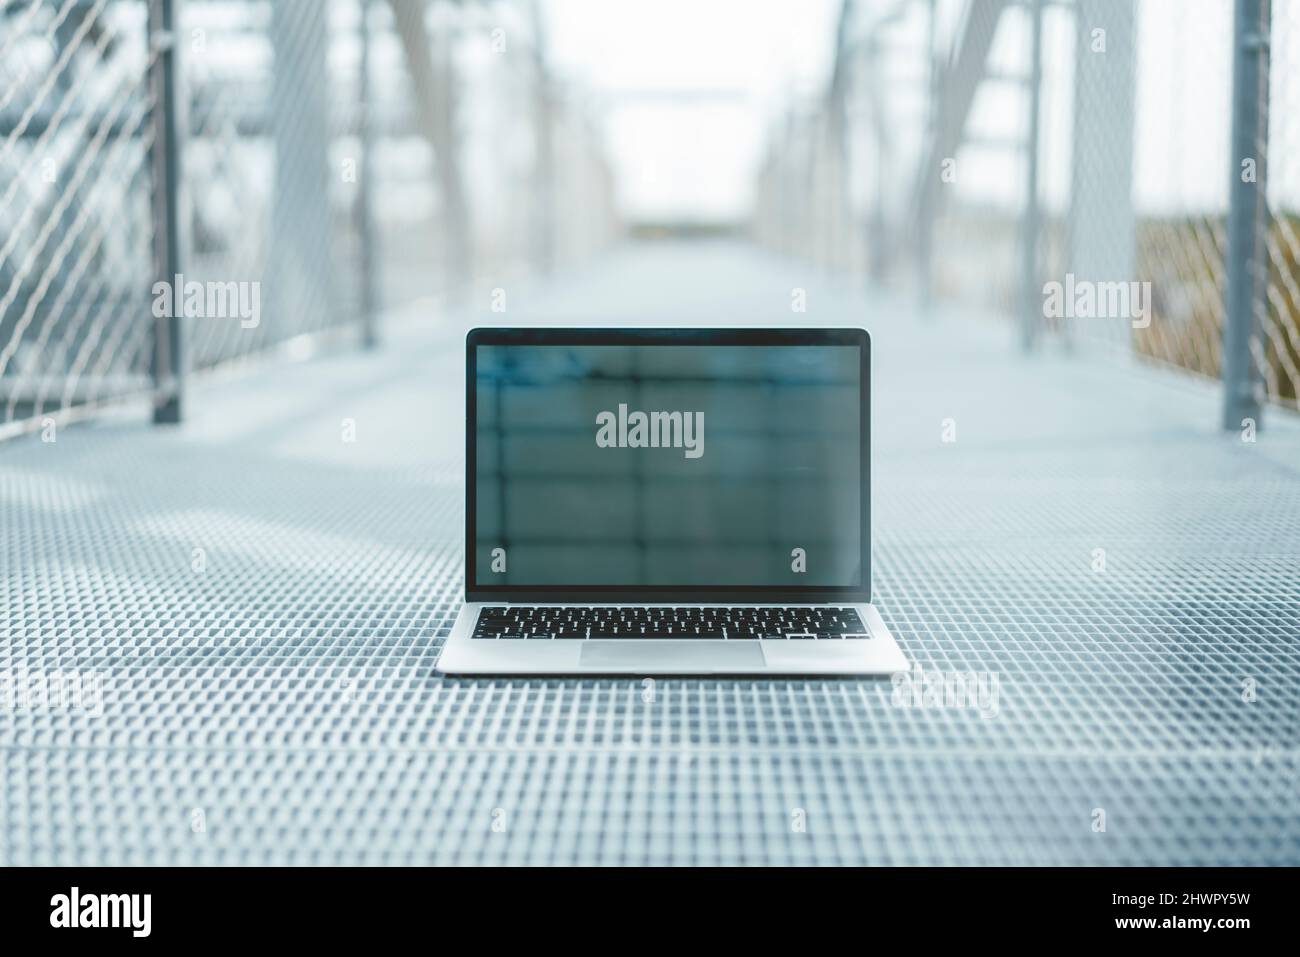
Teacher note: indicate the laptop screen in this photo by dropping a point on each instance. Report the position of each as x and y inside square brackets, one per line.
[657, 465]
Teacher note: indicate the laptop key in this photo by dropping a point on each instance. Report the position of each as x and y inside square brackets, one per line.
[811, 623]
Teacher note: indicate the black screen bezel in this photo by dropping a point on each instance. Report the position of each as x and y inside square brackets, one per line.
[539, 336]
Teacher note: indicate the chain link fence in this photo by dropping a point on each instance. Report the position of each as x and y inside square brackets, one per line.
[75, 138]
[187, 183]
[1279, 347]
[1072, 165]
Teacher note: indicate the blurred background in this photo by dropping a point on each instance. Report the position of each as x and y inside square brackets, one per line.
[355, 157]
[1071, 227]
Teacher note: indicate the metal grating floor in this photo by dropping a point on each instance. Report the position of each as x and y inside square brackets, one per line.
[272, 700]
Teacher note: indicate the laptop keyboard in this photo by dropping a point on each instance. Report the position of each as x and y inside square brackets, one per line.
[573, 622]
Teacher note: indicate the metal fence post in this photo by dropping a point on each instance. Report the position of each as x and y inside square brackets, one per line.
[1101, 222]
[543, 209]
[1031, 223]
[1248, 219]
[299, 275]
[934, 121]
[431, 63]
[365, 208]
[169, 360]
[877, 238]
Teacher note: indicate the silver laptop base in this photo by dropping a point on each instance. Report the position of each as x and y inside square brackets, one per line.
[877, 654]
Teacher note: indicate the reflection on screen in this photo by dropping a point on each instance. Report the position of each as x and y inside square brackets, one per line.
[668, 465]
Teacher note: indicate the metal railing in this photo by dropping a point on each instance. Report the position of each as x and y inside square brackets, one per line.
[185, 183]
[1107, 172]
[76, 133]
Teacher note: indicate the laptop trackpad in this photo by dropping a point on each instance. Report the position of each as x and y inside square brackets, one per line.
[672, 657]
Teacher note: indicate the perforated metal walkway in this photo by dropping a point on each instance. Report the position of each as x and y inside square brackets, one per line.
[264, 602]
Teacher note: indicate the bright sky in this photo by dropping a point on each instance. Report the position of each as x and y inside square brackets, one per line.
[687, 89]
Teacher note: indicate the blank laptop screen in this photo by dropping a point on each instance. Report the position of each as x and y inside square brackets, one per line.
[668, 465]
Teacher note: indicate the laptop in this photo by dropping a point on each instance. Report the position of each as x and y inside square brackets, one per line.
[668, 501]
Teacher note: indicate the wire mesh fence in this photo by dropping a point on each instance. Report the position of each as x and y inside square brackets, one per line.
[271, 164]
[1071, 165]
[75, 138]
[332, 159]
[1280, 345]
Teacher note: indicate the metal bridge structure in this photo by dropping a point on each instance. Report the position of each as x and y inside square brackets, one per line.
[231, 543]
